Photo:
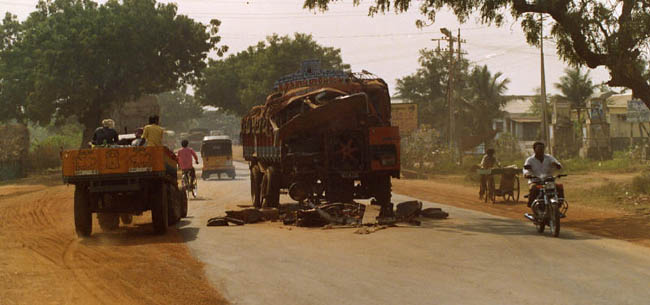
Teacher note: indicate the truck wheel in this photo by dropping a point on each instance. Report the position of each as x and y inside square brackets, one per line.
[108, 221]
[173, 206]
[83, 221]
[256, 182]
[272, 188]
[127, 219]
[159, 212]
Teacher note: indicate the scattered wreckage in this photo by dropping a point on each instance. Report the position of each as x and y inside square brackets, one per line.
[330, 214]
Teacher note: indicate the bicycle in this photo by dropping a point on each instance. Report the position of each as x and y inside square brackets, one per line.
[187, 187]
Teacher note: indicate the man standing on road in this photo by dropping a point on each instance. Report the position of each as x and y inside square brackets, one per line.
[489, 161]
[153, 133]
[185, 155]
[540, 165]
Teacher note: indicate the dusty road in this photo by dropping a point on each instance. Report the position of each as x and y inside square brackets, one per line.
[43, 262]
[470, 258]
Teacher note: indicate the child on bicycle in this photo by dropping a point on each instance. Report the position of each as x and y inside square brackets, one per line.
[185, 155]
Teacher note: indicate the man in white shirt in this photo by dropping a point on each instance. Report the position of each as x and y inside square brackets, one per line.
[539, 165]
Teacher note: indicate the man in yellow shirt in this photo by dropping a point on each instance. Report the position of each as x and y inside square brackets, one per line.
[153, 133]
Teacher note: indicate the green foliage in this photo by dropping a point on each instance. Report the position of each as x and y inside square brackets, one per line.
[619, 163]
[243, 80]
[641, 184]
[478, 100]
[49, 141]
[76, 57]
[178, 110]
[614, 34]
[575, 87]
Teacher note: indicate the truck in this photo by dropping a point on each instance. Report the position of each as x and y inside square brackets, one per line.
[118, 182]
[322, 136]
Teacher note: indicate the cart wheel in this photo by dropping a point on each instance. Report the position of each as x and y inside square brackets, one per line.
[490, 192]
[515, 191]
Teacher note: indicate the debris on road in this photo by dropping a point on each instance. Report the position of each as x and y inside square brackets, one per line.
[331, 215]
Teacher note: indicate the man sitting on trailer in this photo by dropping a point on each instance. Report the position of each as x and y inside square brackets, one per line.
[105, 135]
[153, 133]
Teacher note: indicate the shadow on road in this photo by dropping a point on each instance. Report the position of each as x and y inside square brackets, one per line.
[499, 227]
[132, 235]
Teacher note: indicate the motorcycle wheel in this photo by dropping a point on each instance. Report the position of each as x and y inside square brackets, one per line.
[540, 227]
[554, 223]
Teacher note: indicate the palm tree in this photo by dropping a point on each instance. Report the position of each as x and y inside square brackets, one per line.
[484, 101]
[576, 88]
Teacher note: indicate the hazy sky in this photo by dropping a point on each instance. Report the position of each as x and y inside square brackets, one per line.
[386, 45]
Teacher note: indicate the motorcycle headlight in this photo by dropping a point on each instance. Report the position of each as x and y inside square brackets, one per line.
[549, 185]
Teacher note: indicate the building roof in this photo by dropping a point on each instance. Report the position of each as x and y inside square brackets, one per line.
[618, 100]
[519, 104]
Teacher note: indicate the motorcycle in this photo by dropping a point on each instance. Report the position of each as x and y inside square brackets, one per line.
[548, 208]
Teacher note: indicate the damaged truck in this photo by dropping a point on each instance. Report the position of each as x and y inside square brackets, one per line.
[323, 137]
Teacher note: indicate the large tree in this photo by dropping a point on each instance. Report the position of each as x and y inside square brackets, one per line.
[179, 110]
[427, 87]
[484, 102]
[76, 57]
[245, 79]
[576, 88]
[614, 34]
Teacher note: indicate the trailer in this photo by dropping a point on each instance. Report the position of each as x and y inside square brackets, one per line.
[122, 181]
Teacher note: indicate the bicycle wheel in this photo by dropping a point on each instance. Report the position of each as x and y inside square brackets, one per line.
[515, 191]
[195, 188]
[185, 185]
[491, 194]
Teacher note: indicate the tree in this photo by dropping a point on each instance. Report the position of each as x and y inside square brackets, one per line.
[484, 102]
[77, 57]
[243, 80]
[178, 110]
[576, 88]
[427, 87]
[614, 34]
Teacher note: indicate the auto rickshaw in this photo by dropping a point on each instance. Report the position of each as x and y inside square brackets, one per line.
[216, 153]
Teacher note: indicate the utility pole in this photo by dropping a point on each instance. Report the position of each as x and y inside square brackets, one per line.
[545, 135]
[450, 80]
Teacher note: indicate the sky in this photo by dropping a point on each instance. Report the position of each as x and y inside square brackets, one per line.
[387, 45]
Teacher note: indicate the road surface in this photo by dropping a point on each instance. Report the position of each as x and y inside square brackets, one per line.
[470, 258]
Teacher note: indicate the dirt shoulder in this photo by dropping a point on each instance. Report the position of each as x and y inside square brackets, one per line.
[582, 216]
[42, 260]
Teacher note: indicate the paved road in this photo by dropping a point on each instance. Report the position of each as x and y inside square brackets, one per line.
[470, 258]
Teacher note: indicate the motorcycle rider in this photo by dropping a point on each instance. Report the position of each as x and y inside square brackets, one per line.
[540, 165]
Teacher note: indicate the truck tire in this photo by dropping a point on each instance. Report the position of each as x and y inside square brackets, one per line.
[174, 209]
[159, 210]
[108, 221]
[271, 188]
[83, 220]
[256, 183]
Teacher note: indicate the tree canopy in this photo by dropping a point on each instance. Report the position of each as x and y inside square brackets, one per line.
[178, 110]
[77, 57]
[576, 88]
[243, 80]
[614, 34]
[478, 96]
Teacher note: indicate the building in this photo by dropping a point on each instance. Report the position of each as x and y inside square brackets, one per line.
[519, 121]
